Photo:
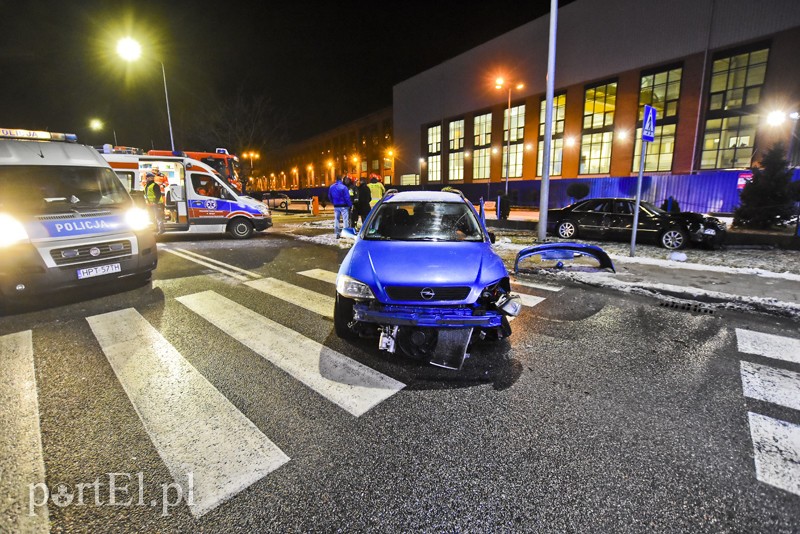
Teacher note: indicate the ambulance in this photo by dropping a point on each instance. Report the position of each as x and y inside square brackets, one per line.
[65, 220]
[196, 197]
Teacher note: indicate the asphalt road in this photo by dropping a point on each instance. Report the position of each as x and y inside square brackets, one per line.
[603, 412]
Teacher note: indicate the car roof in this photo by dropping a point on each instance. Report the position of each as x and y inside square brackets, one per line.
[425, 196]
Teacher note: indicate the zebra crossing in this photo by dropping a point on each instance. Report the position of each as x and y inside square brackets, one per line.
[776, 443]
[210, 448]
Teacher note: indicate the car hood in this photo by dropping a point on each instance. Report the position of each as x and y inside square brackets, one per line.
[382, 264]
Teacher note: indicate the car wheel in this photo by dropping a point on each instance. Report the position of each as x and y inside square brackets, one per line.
[567, 230]
[240, 228]
[283, 205]
[342, 316]
[674, 239]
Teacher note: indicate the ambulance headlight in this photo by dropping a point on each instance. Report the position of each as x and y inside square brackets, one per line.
[11, 231]
[137, 219]
[262, 208]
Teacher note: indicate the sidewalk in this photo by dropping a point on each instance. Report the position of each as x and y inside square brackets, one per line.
[742, 278]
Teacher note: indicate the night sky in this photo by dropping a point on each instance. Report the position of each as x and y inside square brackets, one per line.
[319, 64]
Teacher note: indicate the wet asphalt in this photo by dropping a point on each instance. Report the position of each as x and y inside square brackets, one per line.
[602, 413]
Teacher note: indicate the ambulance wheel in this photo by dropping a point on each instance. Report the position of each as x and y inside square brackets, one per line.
[240, 228]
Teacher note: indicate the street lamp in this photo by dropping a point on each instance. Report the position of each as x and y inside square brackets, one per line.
[97, 125]
[251, 156]
[500, 83]
[130, 50]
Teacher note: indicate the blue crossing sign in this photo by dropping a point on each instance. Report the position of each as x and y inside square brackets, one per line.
[649, 124]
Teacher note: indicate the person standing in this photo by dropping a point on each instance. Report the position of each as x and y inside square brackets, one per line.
[377, 190]
[152, 195]
[353, 190]
[339, 195]
[364, 201]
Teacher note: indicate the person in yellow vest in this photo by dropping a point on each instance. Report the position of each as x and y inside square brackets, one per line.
[153, 197]
[376, 190]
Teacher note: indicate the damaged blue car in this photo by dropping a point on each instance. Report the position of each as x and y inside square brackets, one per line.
[422, 277]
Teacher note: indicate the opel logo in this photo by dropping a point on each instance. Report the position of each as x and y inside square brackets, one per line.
[427, 293]
[94, 251]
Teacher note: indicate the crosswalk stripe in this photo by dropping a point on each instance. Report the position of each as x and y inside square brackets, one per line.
[220, 263]
[769, 345]
[777, 452]
[20, 438]
[240, 277]
[530, 300]
[769, 384]
[352, 386]
[310, 300]
[320, 274]
[195, 429]
[544, 287]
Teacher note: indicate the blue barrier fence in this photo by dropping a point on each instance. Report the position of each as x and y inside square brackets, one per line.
[707, 192]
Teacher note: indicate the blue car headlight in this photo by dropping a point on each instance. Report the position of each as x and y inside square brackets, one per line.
[352, 288]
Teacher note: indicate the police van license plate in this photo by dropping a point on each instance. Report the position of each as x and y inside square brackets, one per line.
[99, 270]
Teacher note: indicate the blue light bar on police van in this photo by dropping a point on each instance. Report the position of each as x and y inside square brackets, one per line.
[37, 135]
[223, 151]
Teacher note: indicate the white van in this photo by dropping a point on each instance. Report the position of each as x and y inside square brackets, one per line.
[197, 198]
[65, 220]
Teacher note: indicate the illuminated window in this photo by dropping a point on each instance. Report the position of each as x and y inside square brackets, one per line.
[599, 105]
[435, 139]
[457, 135]
[732, 116]
[456, 166]
[435, 168]
[515, 160]
[557, 144]
[482, 163]
[483, 130]
[662, 90]
[659, 152]
[517, 124]
[728, 143]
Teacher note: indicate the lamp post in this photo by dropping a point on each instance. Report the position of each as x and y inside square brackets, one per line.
[421, 164]
[500, 83]
[251, 156]
[130, 50]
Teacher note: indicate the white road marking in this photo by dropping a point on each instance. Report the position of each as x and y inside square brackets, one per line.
[20, 438]
[204, 263]
[320, 274]
[352, 386]
[769, 345]
[769, 384]
[777, 452]
[220, 263]
[310, 300]
[545, 287]
[529, 300]
[194, 428]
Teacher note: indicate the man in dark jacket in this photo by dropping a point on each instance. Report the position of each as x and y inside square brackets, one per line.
[364, 200]
[339, 195]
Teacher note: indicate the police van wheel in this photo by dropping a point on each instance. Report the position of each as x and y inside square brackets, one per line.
[240, 228]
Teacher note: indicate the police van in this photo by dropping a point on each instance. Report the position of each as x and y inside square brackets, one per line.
[65, 219]
[196, 198]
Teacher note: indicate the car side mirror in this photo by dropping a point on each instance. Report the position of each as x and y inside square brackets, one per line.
[350, 232]
[492, 237]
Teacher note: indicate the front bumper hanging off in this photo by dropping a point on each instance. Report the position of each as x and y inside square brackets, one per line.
[427, 316]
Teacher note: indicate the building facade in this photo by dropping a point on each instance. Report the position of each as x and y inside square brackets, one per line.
[361, 148]
[724, 76]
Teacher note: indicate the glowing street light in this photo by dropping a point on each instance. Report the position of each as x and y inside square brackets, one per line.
[500, 83]
[129, 49]
[251, 156]
[97, 125]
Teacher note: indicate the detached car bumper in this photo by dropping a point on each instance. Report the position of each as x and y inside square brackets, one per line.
[426, 316]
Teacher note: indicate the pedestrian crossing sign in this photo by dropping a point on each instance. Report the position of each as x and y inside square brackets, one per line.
[649, 124]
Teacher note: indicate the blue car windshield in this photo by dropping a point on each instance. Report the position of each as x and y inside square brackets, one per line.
[424, 221]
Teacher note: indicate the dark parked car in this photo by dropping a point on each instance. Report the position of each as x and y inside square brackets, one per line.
[612, 218]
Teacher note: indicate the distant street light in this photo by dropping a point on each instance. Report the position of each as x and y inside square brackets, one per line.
[251, 156]
[97, 125]
[129, 49]
[500, 83]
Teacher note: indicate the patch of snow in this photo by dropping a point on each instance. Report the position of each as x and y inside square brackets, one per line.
[676, 256]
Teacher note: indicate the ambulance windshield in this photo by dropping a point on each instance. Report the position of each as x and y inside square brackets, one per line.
[52, 189]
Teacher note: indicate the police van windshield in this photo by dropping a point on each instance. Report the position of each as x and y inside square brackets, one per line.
[424, 221]
[45, 189]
